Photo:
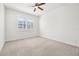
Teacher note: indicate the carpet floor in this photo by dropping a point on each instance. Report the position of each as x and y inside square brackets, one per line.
[38, 47]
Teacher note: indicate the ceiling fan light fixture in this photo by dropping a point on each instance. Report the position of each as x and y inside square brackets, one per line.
[37, 6]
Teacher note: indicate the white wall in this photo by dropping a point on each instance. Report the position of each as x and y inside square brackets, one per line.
[62, 24]
[13, 33]
[2, 25]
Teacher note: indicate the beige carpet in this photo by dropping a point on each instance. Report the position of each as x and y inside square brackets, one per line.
[38, 47]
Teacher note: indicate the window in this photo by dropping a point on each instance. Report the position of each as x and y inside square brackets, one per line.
[25, 23]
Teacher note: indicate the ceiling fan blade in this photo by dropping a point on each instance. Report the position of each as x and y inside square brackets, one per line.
[34, 9]
[40, 8]
[36, 4]
[41, 4]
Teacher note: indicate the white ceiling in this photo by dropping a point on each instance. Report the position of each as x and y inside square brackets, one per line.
[26, 7]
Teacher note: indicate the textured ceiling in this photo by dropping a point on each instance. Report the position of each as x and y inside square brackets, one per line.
[26, 7]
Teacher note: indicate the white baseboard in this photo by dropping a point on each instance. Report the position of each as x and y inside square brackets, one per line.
[21, 39]
[72, 44]
[1, 47]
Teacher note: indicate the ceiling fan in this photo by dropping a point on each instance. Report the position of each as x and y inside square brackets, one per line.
[37, 6]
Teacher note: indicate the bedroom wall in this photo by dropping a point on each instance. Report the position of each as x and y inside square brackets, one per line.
[13, 33]
[61, 24]
[2, 25]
